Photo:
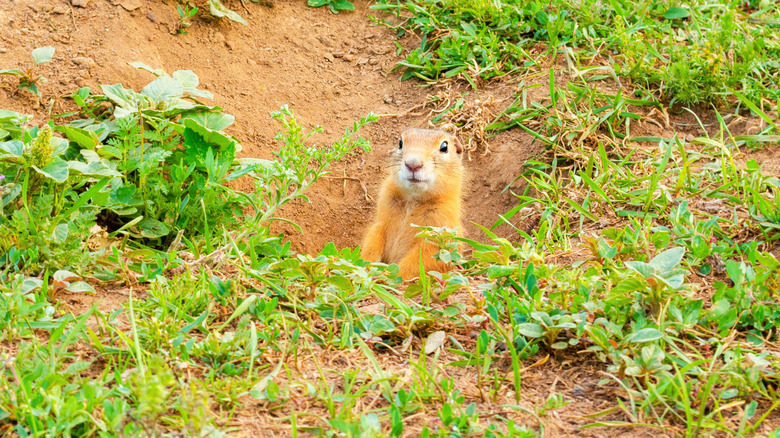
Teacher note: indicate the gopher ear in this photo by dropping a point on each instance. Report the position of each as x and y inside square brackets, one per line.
[458, 146]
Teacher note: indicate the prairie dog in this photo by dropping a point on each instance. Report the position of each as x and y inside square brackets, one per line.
[423, 187]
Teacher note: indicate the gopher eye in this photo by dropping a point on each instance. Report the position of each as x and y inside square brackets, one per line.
[400, 143]
[443, 147]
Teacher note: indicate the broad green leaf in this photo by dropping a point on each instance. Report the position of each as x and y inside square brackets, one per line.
[59, 146]
[119, 95]
[340, 282]
[189, 80]
[208, 136]
[80, 287]
[84, 138]
[667, 260]
[644, 269]
[42, 54]
[381, 325]
[628, 285]
[674, 282]
[496, 271]
[65, 275]
[211, 120]
[217, 9]
[719, 308]
[58, 171]
[634, 371]
[676, 13]
[645, 335]
[30, 284]
[542, 317]
[13, 147]
[151, 228]
[163, 88]
[93, 168]
[530, 330]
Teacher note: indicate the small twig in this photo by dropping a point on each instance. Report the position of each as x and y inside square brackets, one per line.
[245, 8]
[351, 178]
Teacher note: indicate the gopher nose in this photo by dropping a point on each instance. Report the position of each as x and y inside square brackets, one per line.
[413, 164]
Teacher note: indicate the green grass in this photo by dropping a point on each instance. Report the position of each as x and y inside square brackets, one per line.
[702, 51]
[650, 257]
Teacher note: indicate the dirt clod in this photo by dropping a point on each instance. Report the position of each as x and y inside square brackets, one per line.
[84, 62]
[128, 5]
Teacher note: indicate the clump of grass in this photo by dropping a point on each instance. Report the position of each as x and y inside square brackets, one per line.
[697, 53]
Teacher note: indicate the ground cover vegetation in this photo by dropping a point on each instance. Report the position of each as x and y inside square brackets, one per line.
[702, 51]
[651, 256]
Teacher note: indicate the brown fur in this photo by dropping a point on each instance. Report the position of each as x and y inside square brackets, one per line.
[435, 202]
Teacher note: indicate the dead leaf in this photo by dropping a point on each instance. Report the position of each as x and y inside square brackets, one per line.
[434, 341]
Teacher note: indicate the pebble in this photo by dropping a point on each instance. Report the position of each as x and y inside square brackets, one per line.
[329, 57]
[151, 17]
[349, 57]
[84, 62]
[80, 3]
[59, 10]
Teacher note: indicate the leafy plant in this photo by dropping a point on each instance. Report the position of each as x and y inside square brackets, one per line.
[335, 6]
[28, 79]
[185, 14]
[661, 275]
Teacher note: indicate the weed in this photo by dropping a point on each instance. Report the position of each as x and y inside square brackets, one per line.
[28, 80]
[185, 14]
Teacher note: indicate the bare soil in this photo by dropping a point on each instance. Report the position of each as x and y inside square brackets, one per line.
[331, 70]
